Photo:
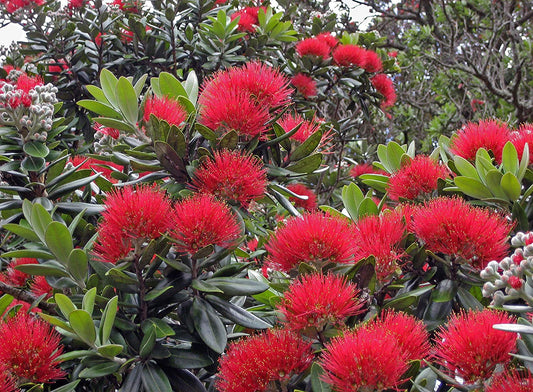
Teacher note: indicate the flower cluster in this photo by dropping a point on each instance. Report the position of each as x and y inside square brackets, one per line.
[13, 277]
[164, 109]
[304, 84]
[248, 18]
[307, 128]
[352, 55]
[383, 85]
[13, 6]
[308, 204]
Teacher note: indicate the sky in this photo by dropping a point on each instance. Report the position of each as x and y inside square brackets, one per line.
[14, 32]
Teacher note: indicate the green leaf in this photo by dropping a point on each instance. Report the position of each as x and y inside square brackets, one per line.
[45, 269]
[377, 181]
[207, 133]
[97, 93]
[307, 164]
[108, 320]
[316, 379]
[59, 241]
[100, 108]
[82, 323]
[445, 291]
[36, 149]
[78, 264]
[71, 386]
[22, 231]
[147, 343]
[473, 188]
[368, 207]
[87, 303]
[467, 300]
[238, 286]
[154, 379]
[510, 158]
[208, 325]
[202, 285]
[65, 304]
[493, 180]
[127, 100]
[511, 186]
[116, 124]
[187, 359]
[108, 81]
[394, 155]
[307, 147]
[59, 323]
[5, 301]
[33, 164]
[162, 329]
[524, 162]
[352, 196]
[100, 370]
[170, 86]
[518, 328]
[191, 86]
[40, 219]
[110, 350]
[465, 168]
[236, 314]
[67, 188]
[229, 140]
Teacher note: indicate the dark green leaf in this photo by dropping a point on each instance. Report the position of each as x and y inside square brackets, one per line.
[208, 325]
[36, 149]
[33, 164]
[147, 343]
[238, 286]
[108, 320]
[110, 350]
[82, 323]
[100, 370]
[307, 147]
[236, 313]
[187, 359]
[78, 264]
[307, 164]
[154, 379]
[59, 241]
[316, 379]
[162, 329]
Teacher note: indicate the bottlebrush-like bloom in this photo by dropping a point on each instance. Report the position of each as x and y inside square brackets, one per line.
[201, 220]
[248, 18]
[232, 176]
[76, 4]
[315, 238]
[304, 84]
[410, 333]
[300, 189]
[453, 227]
[365, 360]
[23, 86]
[7, 384]
[111, 132]
[316, 300]
[519, 138]
[373, 62]
[127, 6]
[138, 212]
[383, 85]
[15, 277]
[512, 381]
[15, 5]
[313, 47]
[416, 178]
[40, 286]
[328, 39]
[58, 66]
[380, 236]
[290, 121]
[365, 168]
[489, 134]
[29, 349]
[251, 364]
[470, 348]
[165, 109]
[348, 55]
[112, 246]
[97, 166]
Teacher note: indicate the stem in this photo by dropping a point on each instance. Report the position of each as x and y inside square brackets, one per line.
[143, 306]
[23, 295]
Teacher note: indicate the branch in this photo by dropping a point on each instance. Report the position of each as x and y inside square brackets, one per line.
[24, 296]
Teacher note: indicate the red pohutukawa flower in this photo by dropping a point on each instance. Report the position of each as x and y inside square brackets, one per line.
[316, 300]
[112, 246]
[253, 363]
[511, 381]
[383, 85]
[453, 227]
[519, 138]
[313, 47]
[165, 109]
[373, 62]
[300, 189]
[416, 178]
[29, 349]
[138, 212]
[364, 360]
[380, 236]
[304, 84]
[14, 276]
[410, 333]
[40, 286]
[15, 5]
[488, 134]
[315, 238]
[290, 121]
[201, 220]
[232, 176]
[7, 384]
[97, 166]
[471, 348]
[328, 39]
[348, 55]
[365, 168]
[248, 18]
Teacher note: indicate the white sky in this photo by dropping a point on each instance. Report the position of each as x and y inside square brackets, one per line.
[14, 32]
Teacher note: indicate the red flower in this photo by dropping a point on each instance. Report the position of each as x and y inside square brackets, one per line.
[23, 86]
[316, 300]
[328, 39]
[112, 245]
[248, 18]
[29, 349]
[365, 360]
[252, 364]
[111, 132]
[97, 166]
[453, 227]
[515, 282]
[373, 62]
[471, 348]
[300, 189]
[15, 5]
[75, 4]
[416, 178]
[40, 286]
[138, 212]
[313, 47]
[127, 6]
[15, 277]
[7, 384]
[410, 333]
[365, 168]
[201, 220]
[380, 236]
[290, 121]
[58, 66]
[165, 109]
[313, 238]
[394, 54]
[98, 39]
[519, 138]
[488, 134]
[511, 381]
[383, 85]
[232, 176]
[348, 55]
[304, 84]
